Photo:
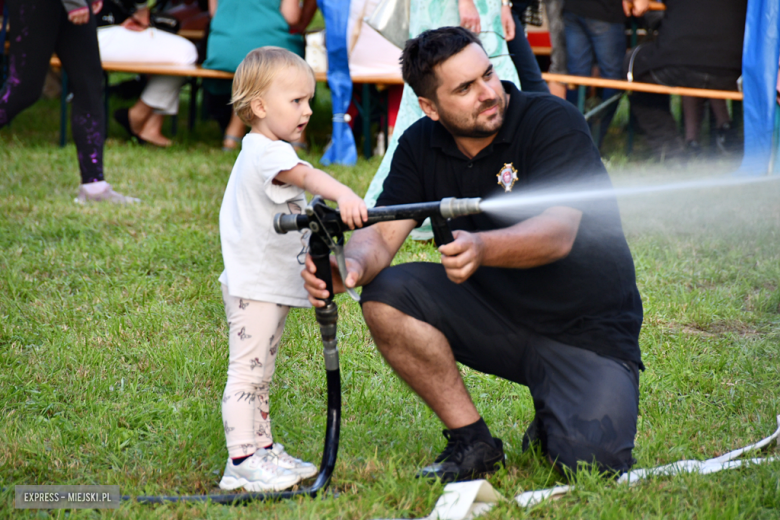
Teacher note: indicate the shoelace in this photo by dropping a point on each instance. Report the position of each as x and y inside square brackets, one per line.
[453, 451]
[286, 457]
[267, 464]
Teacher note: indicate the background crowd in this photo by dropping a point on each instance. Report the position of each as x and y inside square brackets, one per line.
[684, 45]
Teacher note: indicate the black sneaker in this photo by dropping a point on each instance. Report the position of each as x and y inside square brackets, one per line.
[464, 459]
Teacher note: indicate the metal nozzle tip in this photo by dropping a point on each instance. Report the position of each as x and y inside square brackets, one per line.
[452, 207]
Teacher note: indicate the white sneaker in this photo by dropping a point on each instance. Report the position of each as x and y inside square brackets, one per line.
[257, 473]
[284, 460]
[102, 191]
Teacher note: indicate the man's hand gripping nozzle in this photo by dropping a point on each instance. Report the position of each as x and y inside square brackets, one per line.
[327, 227]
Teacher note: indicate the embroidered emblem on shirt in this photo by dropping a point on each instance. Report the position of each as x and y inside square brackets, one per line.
[507, 177]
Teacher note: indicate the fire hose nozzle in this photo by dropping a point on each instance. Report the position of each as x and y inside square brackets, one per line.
[284, 223]
[452, 207]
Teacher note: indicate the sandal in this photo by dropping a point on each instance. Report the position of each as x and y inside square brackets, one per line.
[233, 139]
[122, 117]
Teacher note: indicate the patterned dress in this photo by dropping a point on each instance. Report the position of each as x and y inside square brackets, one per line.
[431, 14]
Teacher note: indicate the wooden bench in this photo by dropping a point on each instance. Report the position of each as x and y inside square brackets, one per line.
[196, 71]
[189, 71]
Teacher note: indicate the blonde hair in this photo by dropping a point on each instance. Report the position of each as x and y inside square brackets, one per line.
[256, 72]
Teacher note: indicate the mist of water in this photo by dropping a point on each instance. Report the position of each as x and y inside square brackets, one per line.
[515, 206]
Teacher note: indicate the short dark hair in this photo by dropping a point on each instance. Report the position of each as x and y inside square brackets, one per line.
[428, 50]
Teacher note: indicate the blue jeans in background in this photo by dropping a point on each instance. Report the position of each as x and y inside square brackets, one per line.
[590, 42]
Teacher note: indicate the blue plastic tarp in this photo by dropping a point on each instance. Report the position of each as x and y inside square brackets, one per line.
[760, 55]
[342, 147]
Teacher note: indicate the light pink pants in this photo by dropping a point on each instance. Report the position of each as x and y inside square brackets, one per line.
[255, 329]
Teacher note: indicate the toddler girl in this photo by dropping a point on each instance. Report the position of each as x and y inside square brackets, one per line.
[272, 88]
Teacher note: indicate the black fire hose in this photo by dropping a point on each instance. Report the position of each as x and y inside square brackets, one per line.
[327, 235]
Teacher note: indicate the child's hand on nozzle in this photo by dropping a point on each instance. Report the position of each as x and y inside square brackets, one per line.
[353, 210]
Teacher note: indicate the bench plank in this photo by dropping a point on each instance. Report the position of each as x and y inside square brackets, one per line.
[642, 87]
[192, 71]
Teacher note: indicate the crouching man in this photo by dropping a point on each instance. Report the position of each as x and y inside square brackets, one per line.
[547, 300]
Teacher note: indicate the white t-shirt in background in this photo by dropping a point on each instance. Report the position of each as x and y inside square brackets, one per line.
[259, 263]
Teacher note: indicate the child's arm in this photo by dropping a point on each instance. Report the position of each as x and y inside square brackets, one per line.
[353, 208]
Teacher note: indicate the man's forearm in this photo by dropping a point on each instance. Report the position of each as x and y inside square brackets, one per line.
[537, 241]
[374, 247]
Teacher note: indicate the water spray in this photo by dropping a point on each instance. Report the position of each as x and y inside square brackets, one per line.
[503, 206]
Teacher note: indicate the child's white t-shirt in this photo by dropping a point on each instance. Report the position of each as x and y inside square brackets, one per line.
[259, 263]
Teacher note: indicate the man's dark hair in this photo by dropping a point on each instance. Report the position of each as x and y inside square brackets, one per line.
[428, 50]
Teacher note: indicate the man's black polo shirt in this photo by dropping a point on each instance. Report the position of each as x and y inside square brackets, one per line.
[588, 299]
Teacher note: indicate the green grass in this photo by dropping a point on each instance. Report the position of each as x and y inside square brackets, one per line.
[113, 348]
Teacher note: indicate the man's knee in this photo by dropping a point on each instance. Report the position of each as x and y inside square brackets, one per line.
[379, 317]
[608, 450]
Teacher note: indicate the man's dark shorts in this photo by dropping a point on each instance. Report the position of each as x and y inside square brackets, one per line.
[586, 405]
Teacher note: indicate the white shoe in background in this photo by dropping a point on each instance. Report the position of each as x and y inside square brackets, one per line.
[101, 191]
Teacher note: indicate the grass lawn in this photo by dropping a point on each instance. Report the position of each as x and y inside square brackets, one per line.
[113, 348]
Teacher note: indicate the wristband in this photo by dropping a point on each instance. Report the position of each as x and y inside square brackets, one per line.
[506, 3]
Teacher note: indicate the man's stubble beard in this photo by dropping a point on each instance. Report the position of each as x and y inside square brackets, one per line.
[459, 127]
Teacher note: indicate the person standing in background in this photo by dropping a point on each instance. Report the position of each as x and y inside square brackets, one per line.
[488, 19]
[37, 29]
[522, 55]
[554, 10]
[696, 47]
[134, 40]
[240, 26]
[596, 33]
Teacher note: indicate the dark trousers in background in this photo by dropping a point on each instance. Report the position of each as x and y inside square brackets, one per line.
[39, 28]
[651, 111]
[590, 42]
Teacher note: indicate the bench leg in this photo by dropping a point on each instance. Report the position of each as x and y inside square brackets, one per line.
[581, 91]
[193, 108]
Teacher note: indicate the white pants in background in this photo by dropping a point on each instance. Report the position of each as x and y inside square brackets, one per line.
[150, 46]
[255, 329]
